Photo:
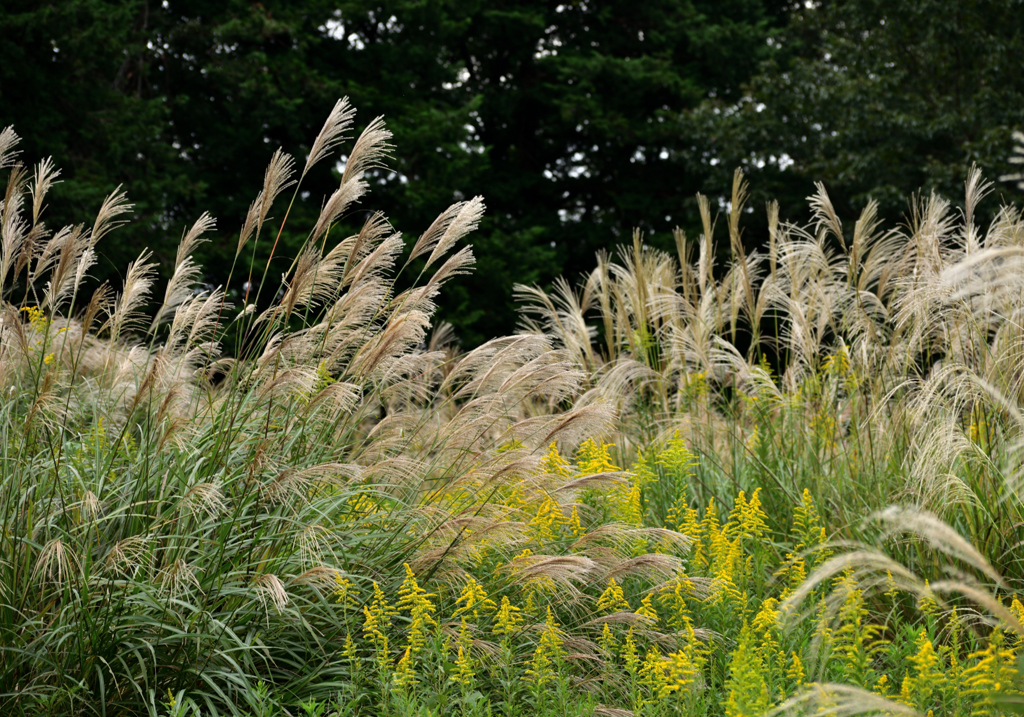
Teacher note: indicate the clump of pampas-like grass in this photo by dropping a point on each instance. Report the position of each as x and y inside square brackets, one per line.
[163, 531]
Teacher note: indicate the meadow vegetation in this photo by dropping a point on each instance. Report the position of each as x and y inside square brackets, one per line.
[690, 484]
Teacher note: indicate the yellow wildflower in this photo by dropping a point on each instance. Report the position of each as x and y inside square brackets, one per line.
[1018, 612]
[464, 667]
[646, 609]
[378, 616]
[676, 458]
[574, 523]
[652, 674]
[607, 640]
[838, 364]
[747, 689]
[926, 602]
[507, 621]
[349, 651]
[405, 672]
[856, 641]
[612, 599]
[629, 654]
[991, 676]
[546, 655]
[673, 597]
[681, 671]
[474, 598]
[795, 671]
[593, 458]
[554, 464]
[343, 591]
[421, 610]
[917, 690]
[546, 521]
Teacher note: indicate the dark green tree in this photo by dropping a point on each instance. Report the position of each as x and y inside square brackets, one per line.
[571, 118]
[879, 100]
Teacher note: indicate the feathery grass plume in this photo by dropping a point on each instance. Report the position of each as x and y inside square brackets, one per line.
[8, 141]
[652, 566]
[350, 191]
[178, 578]
[369, 152]
[56, 564]
[332, 133]
[249, 225]
[826, 221]
[51, 250]
[457, 264]
[939, 535]
[75, 258]
[14, 228]
[126, 557]
[705, 262]
[204, 498]
[115, 205]
[186, 271]
[837, 700]
[137, 283]
[270, 591]
[867, 569]
[562, 572]
[975, 190]
[464, 221]
[561, 316]
[43, 179]
[276, 178]
[740, 194]
[447, 224]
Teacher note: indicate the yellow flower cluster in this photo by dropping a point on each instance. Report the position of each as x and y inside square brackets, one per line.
[546, 656]
[728, 556]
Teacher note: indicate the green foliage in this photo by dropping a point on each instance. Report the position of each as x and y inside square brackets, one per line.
[565, 116]
[877, 100]
[351, 517]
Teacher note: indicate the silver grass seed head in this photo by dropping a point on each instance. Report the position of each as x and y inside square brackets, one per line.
[8, 141]
[126, 555]
[270, 590]
[331, 134]
[115, 205]
[276, 179]
[56, 563]
[43, 178]
[178, 578]
[249, 225]
[204, 499]
[370, 151]
[465, 221]
[837, 700]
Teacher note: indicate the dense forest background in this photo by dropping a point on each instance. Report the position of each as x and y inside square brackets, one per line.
[577, 121]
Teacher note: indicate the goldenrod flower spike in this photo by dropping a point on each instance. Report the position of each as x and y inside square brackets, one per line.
[612, 599]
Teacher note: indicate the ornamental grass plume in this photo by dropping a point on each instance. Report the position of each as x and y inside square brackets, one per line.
[225, 462]
[277, 500]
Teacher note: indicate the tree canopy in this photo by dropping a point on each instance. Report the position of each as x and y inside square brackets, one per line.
[880, 100]
[577, 121]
